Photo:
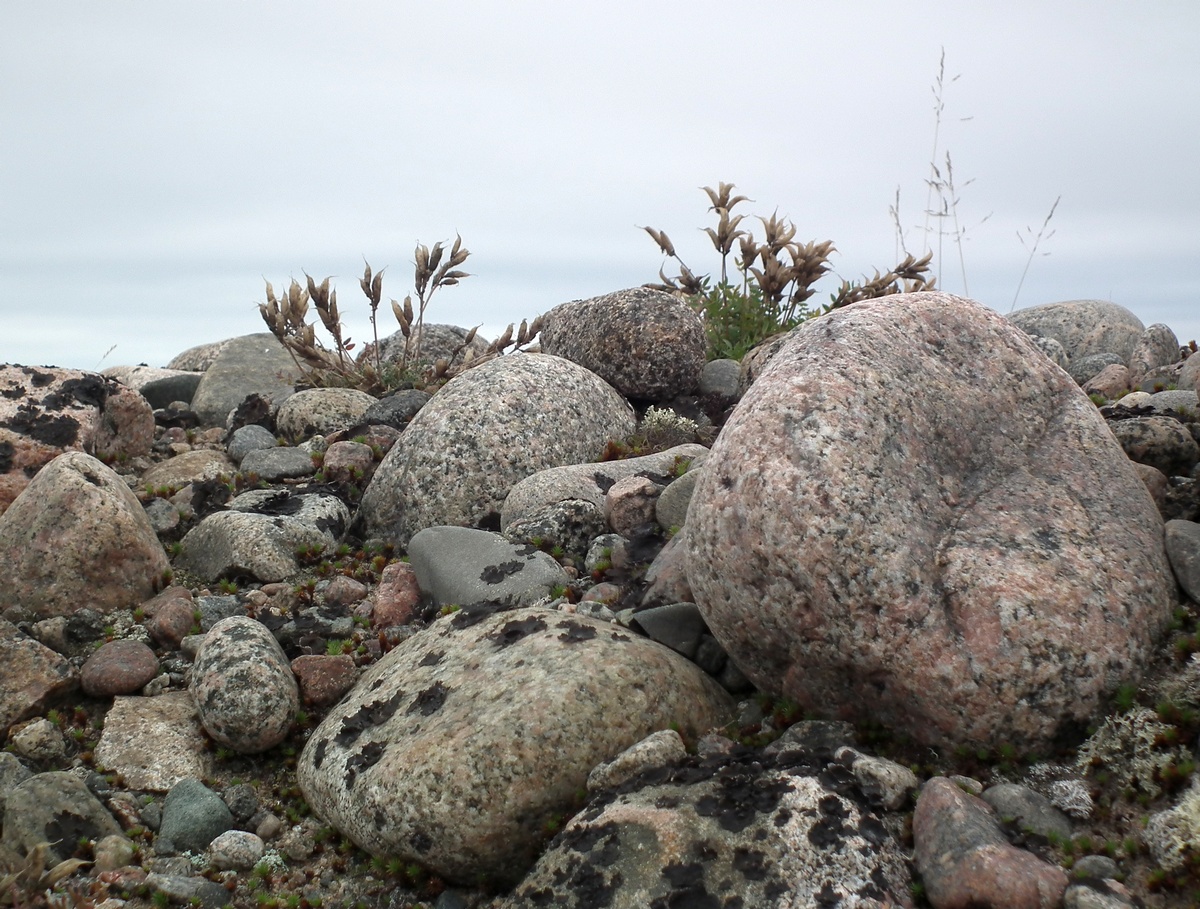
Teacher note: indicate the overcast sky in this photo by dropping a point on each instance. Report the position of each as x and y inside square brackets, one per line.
[158, 160]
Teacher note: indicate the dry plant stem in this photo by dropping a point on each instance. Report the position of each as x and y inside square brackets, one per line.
[1041, 235]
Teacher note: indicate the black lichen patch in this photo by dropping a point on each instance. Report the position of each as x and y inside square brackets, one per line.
[319, 753]
[740, 796]
[365, 717]
[476, 613]
[617, 636]
[432, 658]
[601, 843]
[494, 574]
[603, 483]
[6, 456]
[57, 432]
[420, 841]
[751, 863]
[89, 390]
[13, 392]
[66, 830]
[430, 701]
[687, 888]
[574, 632]
[364, 760]
[831, 829]
[40, 379]
[512, 632]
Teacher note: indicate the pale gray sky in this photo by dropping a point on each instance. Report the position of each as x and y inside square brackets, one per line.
[158, 160]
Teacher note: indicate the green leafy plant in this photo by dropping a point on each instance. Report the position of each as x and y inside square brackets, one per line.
[775, 278]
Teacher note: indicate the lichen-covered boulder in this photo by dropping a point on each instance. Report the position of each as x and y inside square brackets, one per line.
[45, 412]
[483, 433]
[460, 746]
[245, 692]
[743, 830]
[77, 536]
[1084, 327]
[914, 518]
[646, 343]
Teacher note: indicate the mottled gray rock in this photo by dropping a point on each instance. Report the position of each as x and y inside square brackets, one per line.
[1157, 347]
[200, 357]
[54, 808]
[655, 751]
[397, 409]
[245, 692]
[1083, 327]
[971, 551]
[1189, 374]
[1162, 442]
[1097, 894]
[251, 364]
[666, 577]
[965, 860]
[646, 343]
[160, 387]
[33, 676]
[189, 467]
[154, 742]
[77, 536]
[238, 850]
[279, 463]
[458, 747]
[571, 524]
[246, 439]
[590, 482]
[1180, 400]
[1055, 351]
[321, 411]
[1028, 811]
[193, 816]
[719, 378]
[433, 342]
[232, 544]
[671, 508]
[39, 741]
[459, 566]
[722, 831]
[629, 504]
[484, 432]
[1084, 369]
[46, 412]
[1183, 551]
[885, 783]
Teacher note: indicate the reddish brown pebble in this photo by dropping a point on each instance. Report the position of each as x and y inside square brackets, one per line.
[172, 622]
[396, 597]
[324, 679]
[966, 861]
[119, 667]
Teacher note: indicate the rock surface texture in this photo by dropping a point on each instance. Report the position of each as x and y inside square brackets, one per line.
[483, 433]
[913, 517]
[498, 715]
[646, 343]
[1084, 327]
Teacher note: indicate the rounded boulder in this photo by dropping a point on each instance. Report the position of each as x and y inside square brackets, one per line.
[913, 517]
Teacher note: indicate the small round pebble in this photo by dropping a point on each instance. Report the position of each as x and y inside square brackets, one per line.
[236, 850]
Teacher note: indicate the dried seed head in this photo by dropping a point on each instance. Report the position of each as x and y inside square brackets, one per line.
[663, 241]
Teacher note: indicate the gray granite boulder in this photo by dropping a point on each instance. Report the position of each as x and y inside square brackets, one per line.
[77, 536]
[45, 412]
[1084, 369]
[1189, 374]
[1183, 550]
[56, 808]
[433, 342]
[1162, 442]
[484, 432]
[321, 411]
[159, 387]
[193, 816]
[723, 831]
[461, 565]
[1084, 327]
[251, 364]
[245, 692]
[646, 343]
[1156, 348]
[462, 745]
[914, 518]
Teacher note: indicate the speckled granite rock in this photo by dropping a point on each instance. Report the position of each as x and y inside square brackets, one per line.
[33, 676]
[1157, 347]
[45, 412]
[251, 364]
[55, 808]
[1084, 327]
[155, 742]
[1162, 442]
[321, 411]
[646, 343]
[723, 831]
[949, 542]
[483, 433]
[498, 717]
[245, 692]
[77, 536]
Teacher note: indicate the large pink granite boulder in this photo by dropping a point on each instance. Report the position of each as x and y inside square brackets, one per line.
[913, 517]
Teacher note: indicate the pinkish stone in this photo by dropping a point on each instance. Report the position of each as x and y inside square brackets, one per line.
[119, 667]
[33, 675]
[44, 412]
[396, 597]
[344, 591]
[170, 616]
[348, 462]
[629, 504]
[323, 679]
[1112, 381]
[967, 863]
[914, 518]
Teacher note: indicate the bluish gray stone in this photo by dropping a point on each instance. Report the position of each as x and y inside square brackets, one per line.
[193, 816]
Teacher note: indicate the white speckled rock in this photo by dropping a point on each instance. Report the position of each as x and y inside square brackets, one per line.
[646, 343]
[720, 831]
[321, 411]
[1084, 327]
[245, 692]
[913, 517]
[77, 536]
[484, 432]
[458, 747]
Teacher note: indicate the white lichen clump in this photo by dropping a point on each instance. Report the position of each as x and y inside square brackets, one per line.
[1174, 835]
[1125, 748]
[665, 420]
